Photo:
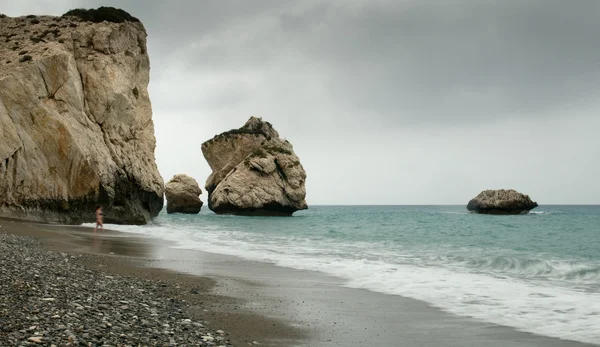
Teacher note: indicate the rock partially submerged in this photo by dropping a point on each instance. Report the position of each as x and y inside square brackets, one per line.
[182, 193]
[501, 201]
[254, 172]
[76, 125]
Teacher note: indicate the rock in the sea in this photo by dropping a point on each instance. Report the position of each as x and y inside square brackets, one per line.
[502, 201]
[182, 193]
[76, 126]
[254, 172]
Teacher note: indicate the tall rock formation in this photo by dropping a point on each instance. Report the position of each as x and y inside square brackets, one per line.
[254, 172]
[75, 119]
[501, 201]
[182, 193]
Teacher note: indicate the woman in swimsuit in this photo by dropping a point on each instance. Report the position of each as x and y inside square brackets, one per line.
[99, 218]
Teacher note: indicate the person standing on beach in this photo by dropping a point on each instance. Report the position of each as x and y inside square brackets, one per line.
[99, 218]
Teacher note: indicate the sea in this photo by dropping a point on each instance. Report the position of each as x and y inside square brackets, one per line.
[538, 272]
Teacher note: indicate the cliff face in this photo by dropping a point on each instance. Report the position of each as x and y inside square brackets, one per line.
[76, 121]
[254, 172]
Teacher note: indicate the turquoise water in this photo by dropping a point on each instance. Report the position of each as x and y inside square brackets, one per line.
[538, 272]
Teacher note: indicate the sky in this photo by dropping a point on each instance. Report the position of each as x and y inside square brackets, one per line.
[385, 102]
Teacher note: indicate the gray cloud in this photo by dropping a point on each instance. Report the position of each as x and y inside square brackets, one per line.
[385, 101]
[454, 61]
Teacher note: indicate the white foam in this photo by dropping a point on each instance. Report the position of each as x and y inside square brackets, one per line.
[538, 306]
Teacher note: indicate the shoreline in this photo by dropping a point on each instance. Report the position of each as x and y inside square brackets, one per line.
[278, 306]
[336, 315]
[112, 253]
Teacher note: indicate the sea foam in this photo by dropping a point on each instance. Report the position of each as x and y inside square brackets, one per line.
[457, 262]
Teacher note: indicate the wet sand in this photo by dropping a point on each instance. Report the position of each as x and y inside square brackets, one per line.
[278, 306]
[334, 315]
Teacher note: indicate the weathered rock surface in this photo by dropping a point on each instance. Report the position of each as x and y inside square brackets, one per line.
[182, 193]
[254, 172]
[501, 202]
[76, 124]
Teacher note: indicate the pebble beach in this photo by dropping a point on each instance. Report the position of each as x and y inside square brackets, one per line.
[53, 298]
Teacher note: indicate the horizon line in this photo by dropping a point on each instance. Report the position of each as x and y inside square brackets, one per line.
[554, 204]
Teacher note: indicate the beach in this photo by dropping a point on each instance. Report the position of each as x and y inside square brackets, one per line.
[206, 299]
[76, 273]
[335, 315]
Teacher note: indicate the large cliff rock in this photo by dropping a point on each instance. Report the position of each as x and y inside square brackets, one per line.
[501, 202]
[76, 121]
[182, 193]
[254, 172]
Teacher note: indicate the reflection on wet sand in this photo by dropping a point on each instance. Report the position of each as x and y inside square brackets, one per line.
[83, 239]
[118, 245]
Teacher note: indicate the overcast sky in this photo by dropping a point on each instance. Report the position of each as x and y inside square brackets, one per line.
[385, 102]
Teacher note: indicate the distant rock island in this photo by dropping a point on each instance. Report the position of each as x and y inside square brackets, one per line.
[502, 201]
[254, 172]
[76, 126]
[182, 193]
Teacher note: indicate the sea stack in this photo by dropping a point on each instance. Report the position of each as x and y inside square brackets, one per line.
[76, 126]
[254, 172]
[502, 201]
[182, 193]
